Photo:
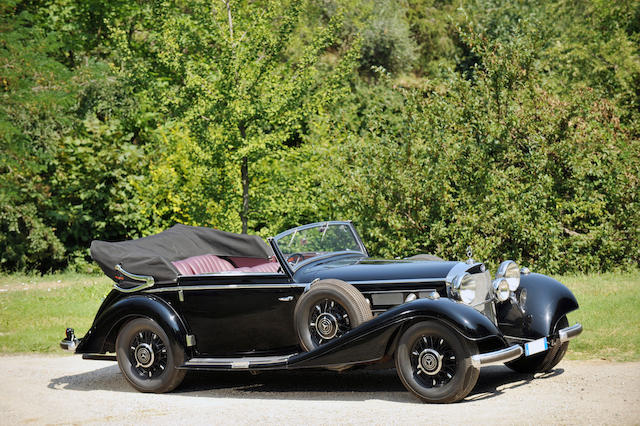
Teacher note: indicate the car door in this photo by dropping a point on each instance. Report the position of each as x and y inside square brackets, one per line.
[240, 314]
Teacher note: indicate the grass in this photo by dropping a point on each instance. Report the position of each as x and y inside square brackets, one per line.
[34, 312]
[610, 314]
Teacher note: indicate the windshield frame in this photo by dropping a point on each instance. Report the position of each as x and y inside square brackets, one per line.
[293, 268]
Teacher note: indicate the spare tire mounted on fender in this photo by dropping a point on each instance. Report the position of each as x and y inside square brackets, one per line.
[328, 310]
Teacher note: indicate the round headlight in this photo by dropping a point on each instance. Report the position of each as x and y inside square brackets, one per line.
[501, 289]
[510, 271]
[464, 287]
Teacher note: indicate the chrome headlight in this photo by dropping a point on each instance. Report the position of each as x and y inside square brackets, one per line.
[501, 289]
[463, 288]
[510, 271]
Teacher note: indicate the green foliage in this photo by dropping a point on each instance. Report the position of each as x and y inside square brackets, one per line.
[35, 93]
[510, 126]
[498, 163]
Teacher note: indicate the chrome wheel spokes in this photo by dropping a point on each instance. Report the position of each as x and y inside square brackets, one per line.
[433, 361]
[328, 320]
[148, 354]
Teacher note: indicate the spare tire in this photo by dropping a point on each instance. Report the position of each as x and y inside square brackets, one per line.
[424, 257]
[328, 310]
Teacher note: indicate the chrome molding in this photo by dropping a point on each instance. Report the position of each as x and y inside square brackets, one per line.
[190, 340]
[240, 363]
[400, 281]
[406, 290]
[497, 357]
[147, 279]
[224, 287]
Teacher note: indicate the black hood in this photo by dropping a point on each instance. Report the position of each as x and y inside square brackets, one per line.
[352, 268]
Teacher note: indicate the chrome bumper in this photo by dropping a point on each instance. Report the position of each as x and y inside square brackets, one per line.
[516, 351]
[497, 357]
[70, 342]
[569, 333]
[69, 345]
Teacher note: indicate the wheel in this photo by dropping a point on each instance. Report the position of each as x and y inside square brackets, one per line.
[434, 363]
[146, 357]
[424, 257]
[328, 310]
[544, 361]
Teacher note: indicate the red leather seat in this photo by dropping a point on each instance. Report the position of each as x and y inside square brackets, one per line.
[266, 267]
[204, 264]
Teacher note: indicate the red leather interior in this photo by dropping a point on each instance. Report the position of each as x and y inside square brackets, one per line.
[209, 263]
[266, 267]
[206, 263]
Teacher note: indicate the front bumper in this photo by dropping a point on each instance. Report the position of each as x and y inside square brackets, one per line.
[516, 351]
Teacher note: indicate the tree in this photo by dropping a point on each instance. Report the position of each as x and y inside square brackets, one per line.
[226, 70]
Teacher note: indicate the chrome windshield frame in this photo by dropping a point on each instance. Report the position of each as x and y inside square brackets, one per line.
[292, 269]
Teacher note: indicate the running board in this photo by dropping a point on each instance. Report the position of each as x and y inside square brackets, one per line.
[244, 363]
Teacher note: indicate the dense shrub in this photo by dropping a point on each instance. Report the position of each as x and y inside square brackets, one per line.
[512, 127]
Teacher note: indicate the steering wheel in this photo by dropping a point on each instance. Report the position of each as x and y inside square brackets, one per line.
[294, 258]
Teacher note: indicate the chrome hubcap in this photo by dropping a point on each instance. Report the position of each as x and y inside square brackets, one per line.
[327, 326]
[430, 362]
[328, 320]
[434, 361]
[144, 355]
[148, 354]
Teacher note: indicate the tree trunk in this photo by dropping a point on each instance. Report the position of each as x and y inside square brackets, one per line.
[244, 171]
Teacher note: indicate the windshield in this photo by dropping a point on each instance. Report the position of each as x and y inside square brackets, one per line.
[308, 241]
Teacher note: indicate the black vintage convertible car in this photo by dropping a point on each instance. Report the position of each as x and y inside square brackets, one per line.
[194, 298]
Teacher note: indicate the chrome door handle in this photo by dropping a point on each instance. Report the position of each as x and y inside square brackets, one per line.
[285, 299]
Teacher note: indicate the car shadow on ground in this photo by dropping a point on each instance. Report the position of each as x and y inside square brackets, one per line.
[354, 385]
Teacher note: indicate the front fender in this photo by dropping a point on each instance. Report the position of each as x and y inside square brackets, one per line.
[111, 317]
[376, 338]
[547, 302]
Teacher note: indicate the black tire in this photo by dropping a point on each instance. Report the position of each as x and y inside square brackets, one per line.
[544, 361]
[434, 363]
[336, 305]
[143, 339]
[425, 257]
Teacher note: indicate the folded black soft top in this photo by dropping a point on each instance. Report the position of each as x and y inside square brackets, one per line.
[153, 255]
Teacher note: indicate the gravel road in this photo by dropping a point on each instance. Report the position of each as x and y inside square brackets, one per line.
[66, 389]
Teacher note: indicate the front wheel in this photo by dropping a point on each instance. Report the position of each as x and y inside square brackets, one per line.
[146, 357]
[434, 363]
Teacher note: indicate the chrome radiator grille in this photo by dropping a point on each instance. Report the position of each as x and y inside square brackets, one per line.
[483, 302]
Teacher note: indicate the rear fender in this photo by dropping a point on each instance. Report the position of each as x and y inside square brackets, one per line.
[376, 339]
[101, 337]
[546, 303]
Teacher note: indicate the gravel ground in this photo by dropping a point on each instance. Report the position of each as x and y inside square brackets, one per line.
[66, 389]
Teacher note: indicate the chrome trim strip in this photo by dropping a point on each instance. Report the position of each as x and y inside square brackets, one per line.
[148, 280]
[413, 290]
[497, 357]
[569, 333]
[224, 287]
[236, 362]
[400, 281]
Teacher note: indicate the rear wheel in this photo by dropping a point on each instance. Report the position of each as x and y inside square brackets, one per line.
[434, 363]
[146, 358]
[328, 310]
[544, 361]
